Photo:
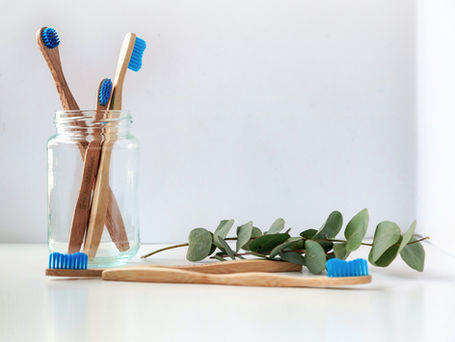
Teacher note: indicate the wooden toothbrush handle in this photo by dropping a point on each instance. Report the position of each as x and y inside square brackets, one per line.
[234, 266]
[114, 222]
[100, 198]
[240, 266]
[167, 275]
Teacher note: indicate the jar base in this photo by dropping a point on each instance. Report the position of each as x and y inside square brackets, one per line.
[107, 255]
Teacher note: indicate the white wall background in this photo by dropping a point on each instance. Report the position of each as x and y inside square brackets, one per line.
[436, 118]
[244, 109]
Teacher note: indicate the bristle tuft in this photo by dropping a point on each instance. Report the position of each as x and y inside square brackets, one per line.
[76, 261]
[341, 268]
[105, 92]
[50, 38]
[136, 56]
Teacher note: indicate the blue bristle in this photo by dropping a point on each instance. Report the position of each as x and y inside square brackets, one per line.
[136, 56]
[76, 261]
[105, 92]
[50, 38]
[341, 268]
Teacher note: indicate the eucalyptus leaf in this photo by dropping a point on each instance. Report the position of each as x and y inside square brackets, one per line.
[386, 258]
[356, 229]
[199, 244]
[309, 233]
[326, 245]
[267, 242]
[244, 234]
[225, 246]
[414, 255]
[296, 243]
[294, 257]
[407, 236]
[222, 231]
[220, 258]
[331, 227]
[340, 251]
[386, 235]
[256, 232]
[314, 257]
[275, 251]
[276, 226]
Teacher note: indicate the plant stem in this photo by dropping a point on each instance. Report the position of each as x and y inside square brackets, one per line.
[164, 249]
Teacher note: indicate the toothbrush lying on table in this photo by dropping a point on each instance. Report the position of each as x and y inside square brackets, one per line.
[48, 41]
[339, 272]
[75, 265]
[130, 58]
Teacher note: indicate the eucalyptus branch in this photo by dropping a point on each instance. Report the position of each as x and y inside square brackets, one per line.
[312, 247]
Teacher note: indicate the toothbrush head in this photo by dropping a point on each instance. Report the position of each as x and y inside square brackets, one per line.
[76, 261]
[50, 38]
[135, 62]
[105, 92]
[341, 268]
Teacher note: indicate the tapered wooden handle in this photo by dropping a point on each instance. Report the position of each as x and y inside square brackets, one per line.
[167, 275]
[234, 266]
[240, 266]
[88, 273]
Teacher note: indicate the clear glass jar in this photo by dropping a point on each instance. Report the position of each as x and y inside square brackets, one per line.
[73, 184]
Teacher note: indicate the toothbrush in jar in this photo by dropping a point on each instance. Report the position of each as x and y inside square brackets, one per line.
[130, 58]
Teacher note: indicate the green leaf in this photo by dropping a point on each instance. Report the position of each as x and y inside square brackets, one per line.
[226, 247]
[414, 255]
[276, 226]
[326, 245]
[314, 257]
[340, 251]
[308, 234]
[407, 236]
[331, 227]
[296, 243]
[256, 232]
[294, 257]
[244, 234]
[219, 257]
[275, 251]
[356, 230]
[267, 242]
[212, 248]
[200, 243]
[386, 235]
[222, 230]
[386, 258]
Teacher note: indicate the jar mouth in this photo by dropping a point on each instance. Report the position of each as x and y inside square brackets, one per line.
[91, 116]
[83, 121]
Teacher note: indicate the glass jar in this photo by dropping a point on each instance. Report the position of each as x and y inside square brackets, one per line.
[93, 186]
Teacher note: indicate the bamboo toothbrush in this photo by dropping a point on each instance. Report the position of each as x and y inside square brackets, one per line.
[75, 265]
[91, 160]
[339, 273]
[130, 57]
[48, 41]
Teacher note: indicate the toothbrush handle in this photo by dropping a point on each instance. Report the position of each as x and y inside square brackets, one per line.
[167, 275]
[234, 266]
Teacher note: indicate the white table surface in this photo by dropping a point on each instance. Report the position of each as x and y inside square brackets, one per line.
[399, 305]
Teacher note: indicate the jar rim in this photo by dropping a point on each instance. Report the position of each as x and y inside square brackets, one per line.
[89, 115]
